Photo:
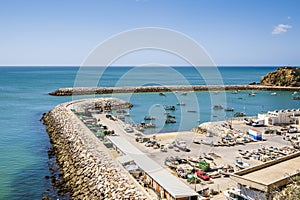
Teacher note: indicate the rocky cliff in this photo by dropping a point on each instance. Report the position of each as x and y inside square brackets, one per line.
[284, 76]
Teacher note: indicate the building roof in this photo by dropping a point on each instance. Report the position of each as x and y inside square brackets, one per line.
[269, 175]
[170, 183]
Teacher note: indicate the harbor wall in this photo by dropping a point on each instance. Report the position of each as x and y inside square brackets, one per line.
[145, 89]
[89, 171]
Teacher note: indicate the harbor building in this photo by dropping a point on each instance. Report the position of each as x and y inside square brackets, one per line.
[159, 179]
[278, 117]
[262, 181]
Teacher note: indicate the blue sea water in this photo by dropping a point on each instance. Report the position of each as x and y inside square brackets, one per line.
[23, 100]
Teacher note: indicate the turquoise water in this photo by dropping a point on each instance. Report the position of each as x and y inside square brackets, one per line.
[24, 142]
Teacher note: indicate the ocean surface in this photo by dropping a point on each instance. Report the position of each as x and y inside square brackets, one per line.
[24, 142]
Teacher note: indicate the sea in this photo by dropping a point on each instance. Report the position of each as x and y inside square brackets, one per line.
[24, 143]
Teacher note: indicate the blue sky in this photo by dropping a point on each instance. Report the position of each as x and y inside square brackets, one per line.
[233, 32]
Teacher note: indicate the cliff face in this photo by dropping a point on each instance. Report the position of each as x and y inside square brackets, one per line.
[284, 76]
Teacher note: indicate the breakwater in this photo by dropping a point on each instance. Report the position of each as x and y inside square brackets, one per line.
[144, 89]
[89, 171]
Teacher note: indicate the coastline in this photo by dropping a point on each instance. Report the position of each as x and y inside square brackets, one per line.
[181, 88]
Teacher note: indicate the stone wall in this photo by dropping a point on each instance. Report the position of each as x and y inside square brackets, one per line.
[89, 171]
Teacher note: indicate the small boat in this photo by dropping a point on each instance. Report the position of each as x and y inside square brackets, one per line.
[239, 114]
[239, 163]
[235, 194]
[162, 94]
[184, 94]
[252, 94]
[170, 121]
[235, 92]
[229, 109]
[181, 104]
[192, 111]
[296, 98]
[170, 107]
[171, 116]
[218, 107]
[273, 94]
[149, 118]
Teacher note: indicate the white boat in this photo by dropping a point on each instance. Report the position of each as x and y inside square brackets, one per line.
[273, 94]
[252, 94]
[181, 104]
[239, 163]
[235, 194]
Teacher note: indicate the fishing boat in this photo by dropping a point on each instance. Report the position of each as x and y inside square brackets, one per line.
[170, 107]
[171, 116]
[239, 114]
[149, 118]
[252, 94]
[296, 98]
[218, 107]
[170, 121]
[235, 194]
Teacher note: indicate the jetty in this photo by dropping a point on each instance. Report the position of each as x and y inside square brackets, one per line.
[161, 89]
[89, 171]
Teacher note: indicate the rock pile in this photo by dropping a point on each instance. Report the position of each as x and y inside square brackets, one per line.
[284, 76]
[89, 171]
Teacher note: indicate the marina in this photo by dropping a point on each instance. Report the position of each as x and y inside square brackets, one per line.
[200, 159]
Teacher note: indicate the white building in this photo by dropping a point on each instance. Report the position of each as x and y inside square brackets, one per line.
[281, 117]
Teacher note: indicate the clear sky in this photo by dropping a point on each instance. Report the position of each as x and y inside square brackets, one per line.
[233, 32]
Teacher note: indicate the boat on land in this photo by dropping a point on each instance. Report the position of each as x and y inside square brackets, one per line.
[235, 194]
[241, 164]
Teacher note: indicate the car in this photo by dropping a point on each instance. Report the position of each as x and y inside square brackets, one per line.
[201, 174]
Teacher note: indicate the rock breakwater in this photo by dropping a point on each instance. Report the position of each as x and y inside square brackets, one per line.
[144, 89]
[89, 171]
